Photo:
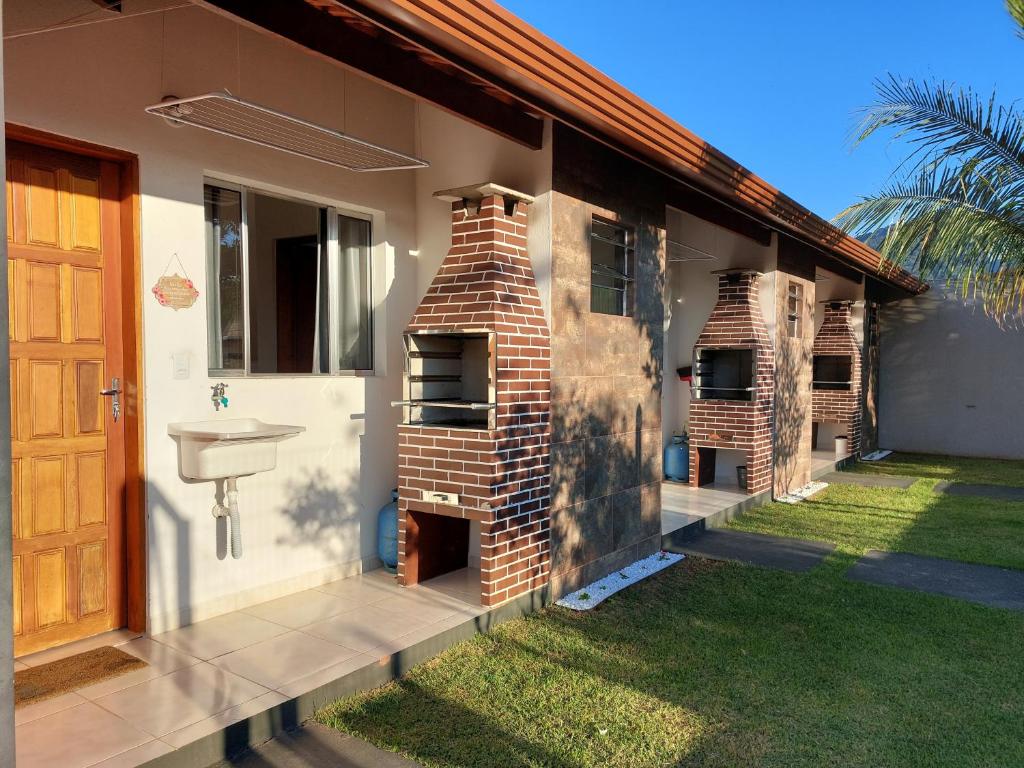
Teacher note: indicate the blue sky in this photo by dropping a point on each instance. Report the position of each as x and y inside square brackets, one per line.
[776, 84]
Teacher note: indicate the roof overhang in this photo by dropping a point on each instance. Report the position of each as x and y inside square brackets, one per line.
[484, 42]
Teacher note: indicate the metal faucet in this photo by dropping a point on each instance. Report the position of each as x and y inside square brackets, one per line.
[218, 397]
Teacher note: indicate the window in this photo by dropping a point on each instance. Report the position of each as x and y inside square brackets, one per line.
[289, 285]
[612, 268]
[794, 310]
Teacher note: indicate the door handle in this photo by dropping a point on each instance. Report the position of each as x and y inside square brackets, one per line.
[114, 393]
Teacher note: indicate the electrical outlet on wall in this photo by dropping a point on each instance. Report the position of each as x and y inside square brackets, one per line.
[180, 365]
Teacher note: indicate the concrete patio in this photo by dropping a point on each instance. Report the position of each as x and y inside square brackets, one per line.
[686, 511]
[208, 676]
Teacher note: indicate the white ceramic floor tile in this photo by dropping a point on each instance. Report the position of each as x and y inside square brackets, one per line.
[74, 738]
[222, 720]
[18, 666]
[302, 608]
[328, 675]
[151, 750]
[181, 698]
[220, 635]
[462, 584]
[284, 658]
[365, 589]
[30, 712]
[409, 639]
[364, 628]
[424, 605]
[160, 660]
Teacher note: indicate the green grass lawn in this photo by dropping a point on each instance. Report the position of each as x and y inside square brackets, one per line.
[917, 520]
[718, 664]
[952, 468]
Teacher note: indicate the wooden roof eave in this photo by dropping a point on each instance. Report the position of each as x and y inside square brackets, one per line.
[491, 38]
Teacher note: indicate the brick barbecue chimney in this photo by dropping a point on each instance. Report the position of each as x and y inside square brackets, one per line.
[475, 442]
[733, 396]
[835, 398]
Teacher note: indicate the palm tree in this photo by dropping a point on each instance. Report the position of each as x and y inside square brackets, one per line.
[955, 207]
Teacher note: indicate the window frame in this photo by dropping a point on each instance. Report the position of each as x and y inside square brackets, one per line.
[794, 319]
[333, 276]
[628, 277]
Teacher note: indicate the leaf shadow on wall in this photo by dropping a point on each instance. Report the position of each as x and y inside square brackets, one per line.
[321, 515]
[606, 437]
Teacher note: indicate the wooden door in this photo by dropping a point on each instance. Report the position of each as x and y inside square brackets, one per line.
[63, 231]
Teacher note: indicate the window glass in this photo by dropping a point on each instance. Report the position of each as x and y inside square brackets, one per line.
[611, 269]
[354, 294]
[226, 322]
[303, 277]
[794, 310]
[285, 251]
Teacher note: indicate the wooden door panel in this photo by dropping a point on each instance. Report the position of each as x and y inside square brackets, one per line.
[42, 224]
[9, 190]
[18, 624]
[50, 576]
[88, 406]
[11, 293]
[84, 209]
[45, 393]
[16, 498]
[44, 302]
[91, 489]
[92, 578]
[67, 453]
[46, 494]
[15, 401]
[86, 293]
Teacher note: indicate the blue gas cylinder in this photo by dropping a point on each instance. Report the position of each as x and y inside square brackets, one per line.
[677, 459]
[387, 533]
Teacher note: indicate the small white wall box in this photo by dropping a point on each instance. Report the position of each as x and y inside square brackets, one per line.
[180, 366]
[440, 497]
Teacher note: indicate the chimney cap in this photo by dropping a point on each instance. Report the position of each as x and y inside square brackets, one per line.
[736, 271]
[480, 191]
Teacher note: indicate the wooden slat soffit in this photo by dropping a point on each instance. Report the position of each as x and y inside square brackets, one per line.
[351, 40]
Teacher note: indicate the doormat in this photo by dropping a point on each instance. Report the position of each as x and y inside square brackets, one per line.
[65, 675]
[875, 456]
[593, 594]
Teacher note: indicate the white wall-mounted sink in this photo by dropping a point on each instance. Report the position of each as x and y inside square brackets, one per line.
[210, 450]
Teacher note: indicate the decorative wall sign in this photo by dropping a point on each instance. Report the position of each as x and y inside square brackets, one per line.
[175, 291]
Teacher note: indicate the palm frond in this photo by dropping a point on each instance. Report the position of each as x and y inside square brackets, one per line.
[1016, 10]
[946, 124]
[953, 223]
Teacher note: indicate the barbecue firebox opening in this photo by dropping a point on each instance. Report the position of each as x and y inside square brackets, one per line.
[724, 374]
[449, 380]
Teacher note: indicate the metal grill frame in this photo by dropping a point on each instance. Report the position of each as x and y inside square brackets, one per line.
[172, 110]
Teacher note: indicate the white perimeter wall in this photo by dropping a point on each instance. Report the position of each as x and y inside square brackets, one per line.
[313, 518]
[951, 379]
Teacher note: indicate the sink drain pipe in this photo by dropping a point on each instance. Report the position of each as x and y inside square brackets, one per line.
[231, 512]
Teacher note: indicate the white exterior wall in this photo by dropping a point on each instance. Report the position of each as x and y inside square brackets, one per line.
[312, 519]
